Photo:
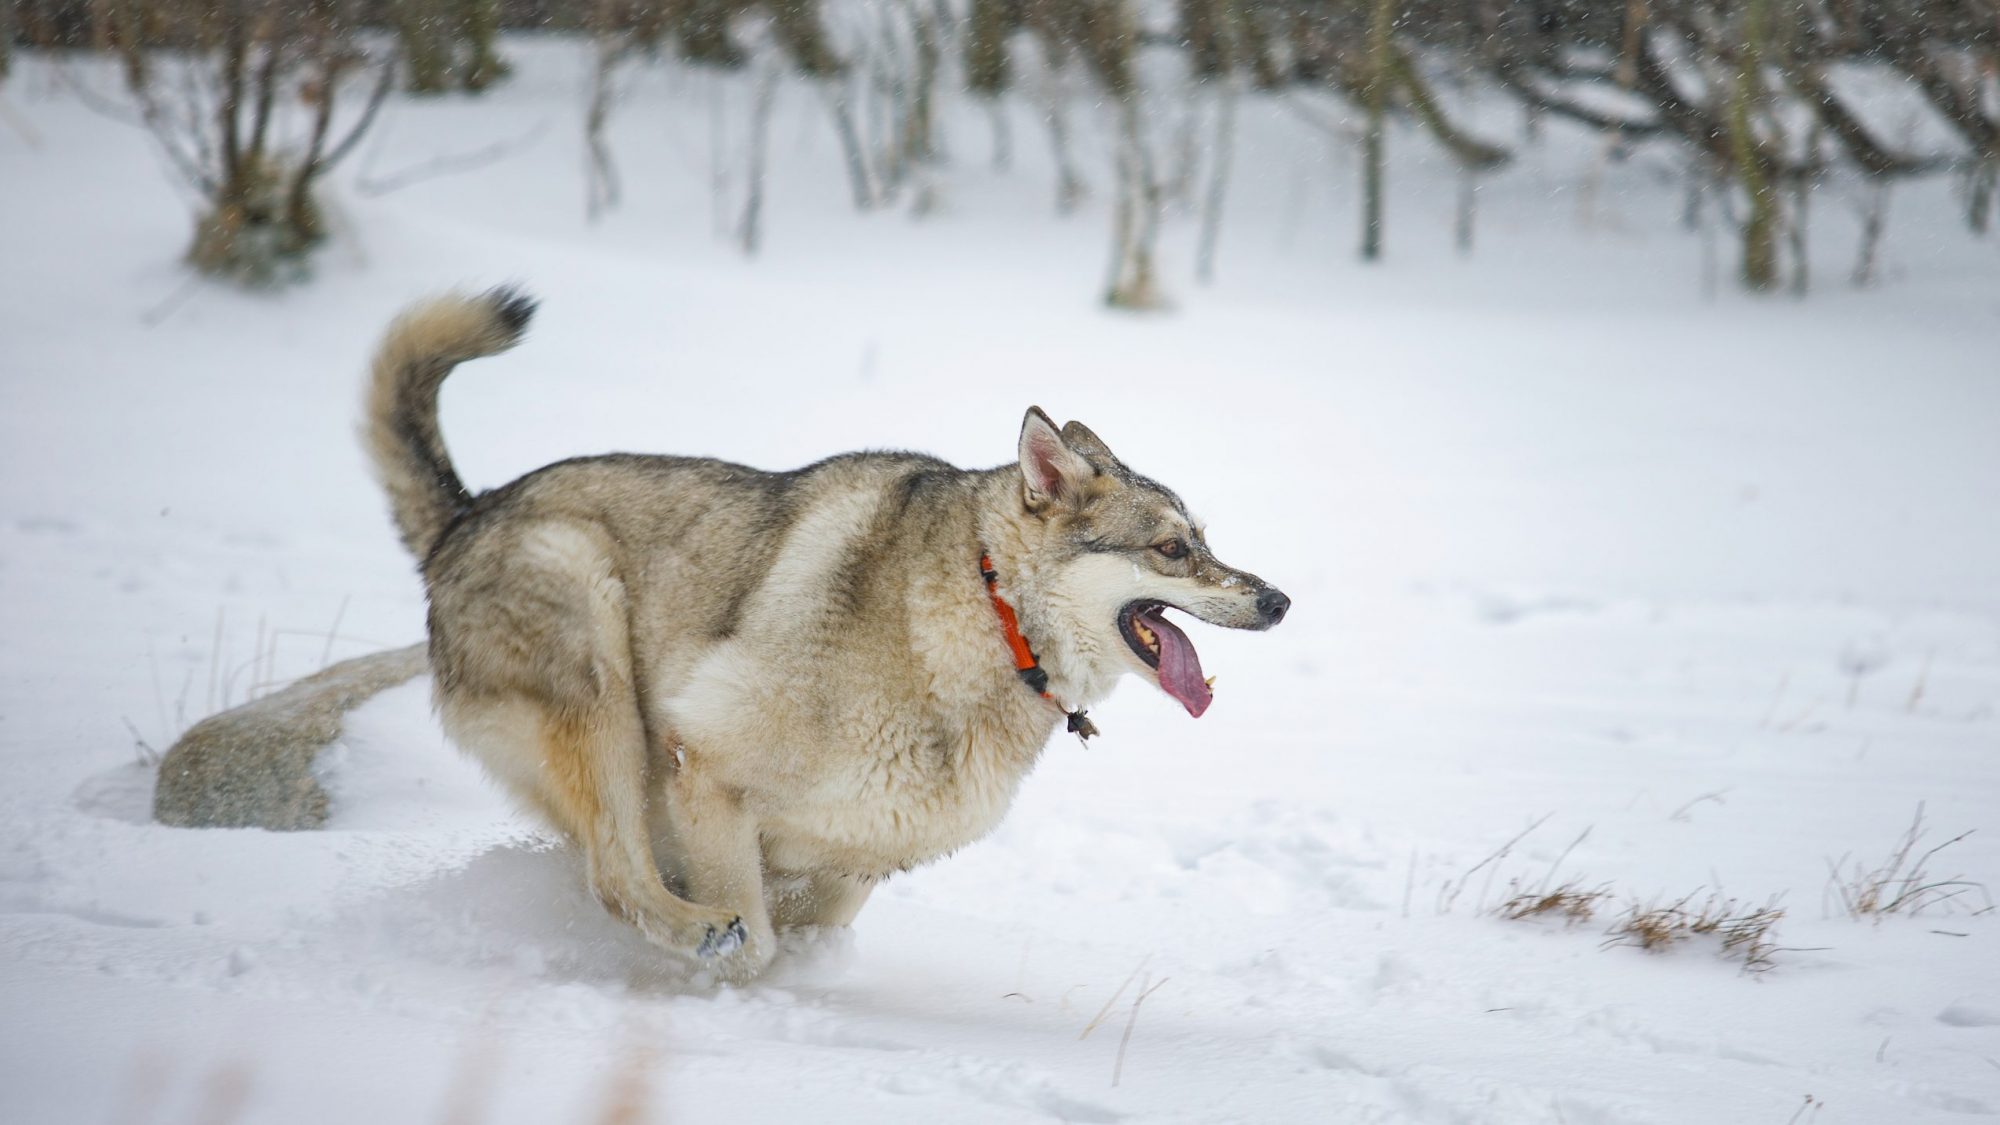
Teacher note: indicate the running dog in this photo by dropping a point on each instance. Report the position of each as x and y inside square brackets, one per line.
[748, 696]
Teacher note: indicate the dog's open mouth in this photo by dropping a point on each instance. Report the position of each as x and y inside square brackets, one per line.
[1167, 651]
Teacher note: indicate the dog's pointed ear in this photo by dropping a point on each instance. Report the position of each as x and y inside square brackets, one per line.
[1078, 437]
[1050, 470]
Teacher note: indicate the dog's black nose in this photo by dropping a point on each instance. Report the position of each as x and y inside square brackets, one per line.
[1272, 604]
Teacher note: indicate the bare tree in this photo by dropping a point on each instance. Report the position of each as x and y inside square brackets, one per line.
[1381, 14]
[1222, 150]
[1980, 181]
[480, 28]
[1753, 169]
[1740, 86]
[1136, 217]
[902, 51]
[600, 179]
[838, 94]
[987, 25]
[1212, 29]
[252, 100]
[1070, 187]
[1106, 34]
[750, 230]
[916, 148]
[1360, 52]
[421, 29]
[448, 44]
[9, 21]
[1874, 217]
[248, 64]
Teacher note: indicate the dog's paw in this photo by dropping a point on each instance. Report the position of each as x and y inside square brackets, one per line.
[722, 942]
[735, 954]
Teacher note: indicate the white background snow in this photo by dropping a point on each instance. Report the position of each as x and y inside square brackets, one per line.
[1703, 586]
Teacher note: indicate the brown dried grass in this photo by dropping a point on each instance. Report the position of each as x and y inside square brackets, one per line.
[1570, 902]
[1903, 882]
[1745, 932]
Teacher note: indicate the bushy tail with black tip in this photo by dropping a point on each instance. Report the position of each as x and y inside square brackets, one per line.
[400, 423]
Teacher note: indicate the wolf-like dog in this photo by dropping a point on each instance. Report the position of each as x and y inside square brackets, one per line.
[748, 696]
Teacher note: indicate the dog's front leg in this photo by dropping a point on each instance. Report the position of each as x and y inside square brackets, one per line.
[721, 863]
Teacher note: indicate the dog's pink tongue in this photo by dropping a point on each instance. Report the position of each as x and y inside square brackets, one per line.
[1180, 668]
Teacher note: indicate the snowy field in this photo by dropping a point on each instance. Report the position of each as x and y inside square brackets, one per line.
[1682, 592]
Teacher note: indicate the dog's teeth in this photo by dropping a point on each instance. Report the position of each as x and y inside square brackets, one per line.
[1210, 682]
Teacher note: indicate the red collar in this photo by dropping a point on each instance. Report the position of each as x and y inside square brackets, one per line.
[1026, 664]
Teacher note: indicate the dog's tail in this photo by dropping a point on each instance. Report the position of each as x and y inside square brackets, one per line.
[400, 423]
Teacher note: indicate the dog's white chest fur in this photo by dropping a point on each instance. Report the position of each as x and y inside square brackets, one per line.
[896, 815]
[862, 783]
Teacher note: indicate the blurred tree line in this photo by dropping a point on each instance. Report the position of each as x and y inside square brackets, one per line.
[1756, 98]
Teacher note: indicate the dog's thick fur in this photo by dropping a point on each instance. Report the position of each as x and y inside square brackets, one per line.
[750, 695]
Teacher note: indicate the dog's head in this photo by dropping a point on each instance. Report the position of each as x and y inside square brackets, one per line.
[1108, 552]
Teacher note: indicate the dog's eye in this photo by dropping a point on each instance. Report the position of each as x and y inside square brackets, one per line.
[1172, 548]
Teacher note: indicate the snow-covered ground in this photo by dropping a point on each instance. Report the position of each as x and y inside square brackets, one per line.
[1703, 591]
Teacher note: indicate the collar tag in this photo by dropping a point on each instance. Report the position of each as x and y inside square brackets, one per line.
[1081, 726]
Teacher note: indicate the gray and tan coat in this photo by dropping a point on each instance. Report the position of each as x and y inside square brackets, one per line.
[749, 695]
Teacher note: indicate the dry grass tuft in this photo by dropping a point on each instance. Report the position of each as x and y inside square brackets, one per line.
[1570, 902]
[1746, 932]
[1903, 883]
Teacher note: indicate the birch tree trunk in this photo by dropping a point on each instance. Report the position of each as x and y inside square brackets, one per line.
[1380, 17]
[1136, 219]
[750, 232]
[1069, 182]
[600, 173]
[481, 29]
[1218, 182]
[1761, 225]
[420, 28]
[837, 92]
[7, 33]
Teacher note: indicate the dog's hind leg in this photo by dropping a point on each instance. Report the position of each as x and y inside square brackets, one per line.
[534, 679]
[583, 770]
[595, 767]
